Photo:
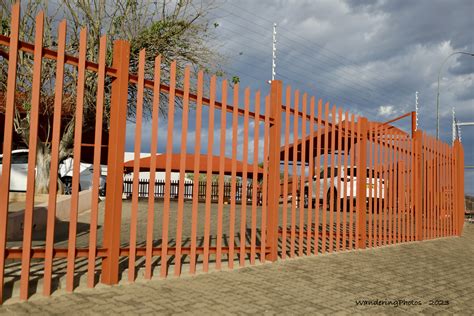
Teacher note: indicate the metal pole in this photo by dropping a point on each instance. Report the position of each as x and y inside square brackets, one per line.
[274, 52]
[439, 76]
[454, 127]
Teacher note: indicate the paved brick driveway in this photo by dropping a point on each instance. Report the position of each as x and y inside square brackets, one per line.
[441, 270]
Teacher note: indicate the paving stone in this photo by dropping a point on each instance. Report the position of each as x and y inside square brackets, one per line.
[317, 284]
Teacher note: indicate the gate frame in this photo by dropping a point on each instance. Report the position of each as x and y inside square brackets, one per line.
[113, 200]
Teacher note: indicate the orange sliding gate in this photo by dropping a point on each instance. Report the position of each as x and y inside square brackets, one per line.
[313, 178]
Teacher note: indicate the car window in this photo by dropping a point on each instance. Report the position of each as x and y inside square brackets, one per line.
[351, 172]
[321, 175]
[370, 173]
[20, 158]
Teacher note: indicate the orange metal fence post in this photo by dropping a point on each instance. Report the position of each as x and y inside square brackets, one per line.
[418, 184]
[113, 200]
[274, 169]
[459, 153]
[8, 137]
[361, 182]
[30, 184]
[413, 123]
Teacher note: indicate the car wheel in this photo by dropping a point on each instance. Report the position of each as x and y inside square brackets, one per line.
[67, 185]
[334, 200]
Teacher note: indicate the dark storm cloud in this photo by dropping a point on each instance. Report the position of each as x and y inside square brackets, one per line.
[425, 22]
[367, 56]
[464, 65]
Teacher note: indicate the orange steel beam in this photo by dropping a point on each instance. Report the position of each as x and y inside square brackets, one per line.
[459, 155]
[140, 252]
[7, 140]
[40, 253]
[52, 54]
[274, 169]
[151, 187]
[51, 217]
[76, 163]
[112, 72]
[361, 184]
[395, 119]
[113, 201]
[96, 164]
[33, 141]
[418, 184]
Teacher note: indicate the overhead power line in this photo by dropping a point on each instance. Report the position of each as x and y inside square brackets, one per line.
[332, 55]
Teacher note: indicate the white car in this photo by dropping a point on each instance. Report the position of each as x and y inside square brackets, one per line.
[342, 177]
[19, 173]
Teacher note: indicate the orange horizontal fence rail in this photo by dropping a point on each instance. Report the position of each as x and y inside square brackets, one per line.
[304, 176]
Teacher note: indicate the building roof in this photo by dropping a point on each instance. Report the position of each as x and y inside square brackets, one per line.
[189, 164]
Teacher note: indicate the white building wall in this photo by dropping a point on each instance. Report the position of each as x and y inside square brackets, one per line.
[159, 175]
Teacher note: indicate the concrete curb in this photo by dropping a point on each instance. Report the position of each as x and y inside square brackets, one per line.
[16, 215]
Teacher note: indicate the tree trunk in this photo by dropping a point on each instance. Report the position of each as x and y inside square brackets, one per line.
[43, 161]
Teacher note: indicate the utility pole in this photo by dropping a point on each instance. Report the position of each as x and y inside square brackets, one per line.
[274, 52]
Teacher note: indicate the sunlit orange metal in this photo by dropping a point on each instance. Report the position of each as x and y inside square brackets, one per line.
[210, 145]
[453, 193]
[53, 177]
[294, 180]
[81, 77]
[151, 186]
[8, 136]
[33, 141]
[377, 189]
[351, 185]
[184, 134]
[370, 210]
[332, 179]
[381, 200]
[113, 200]
[400, 200]
[233, 190]
[97, 159]
[221, 173]
[434, 186]
[197, 151]
[318, 176]
[387, 186]
[273, 113]
[345, 181]
[285, 174]
[338, 179]
[361, 224]
[310, 178]
[136, 166]
[325, 173]
[169, 150]
[391, 187]
[423, 177]
[269, 236]
[243, 210]
[301, 207]
[255, 185]
[460, 185]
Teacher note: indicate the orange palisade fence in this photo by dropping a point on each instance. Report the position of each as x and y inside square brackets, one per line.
[311, 178]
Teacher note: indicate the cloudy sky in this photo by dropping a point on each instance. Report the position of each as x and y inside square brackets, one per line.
[367, 56]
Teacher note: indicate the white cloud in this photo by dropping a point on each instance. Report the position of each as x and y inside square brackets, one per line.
[386, 110]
